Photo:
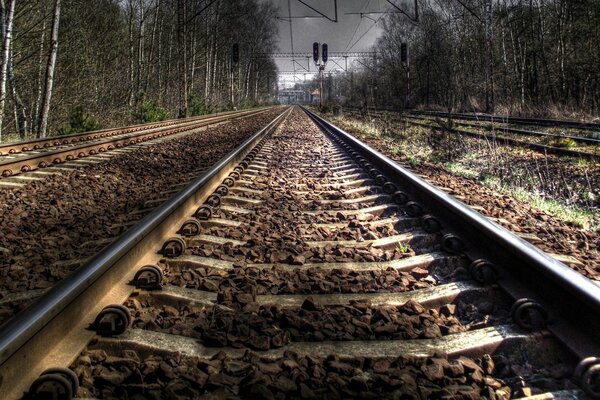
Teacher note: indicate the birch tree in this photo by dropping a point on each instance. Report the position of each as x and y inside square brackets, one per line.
[6, 16]
[47, 94]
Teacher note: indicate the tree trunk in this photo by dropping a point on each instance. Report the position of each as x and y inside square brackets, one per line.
[159, 53]
[50, 72]
[182, 58]
[140, 51]
[489, 67]
[20, 113]
[7, 24]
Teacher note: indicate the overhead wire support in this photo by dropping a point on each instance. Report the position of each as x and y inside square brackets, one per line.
[373, 12]
[337, 54]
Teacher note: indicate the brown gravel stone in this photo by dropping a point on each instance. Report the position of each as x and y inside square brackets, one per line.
[54, 219]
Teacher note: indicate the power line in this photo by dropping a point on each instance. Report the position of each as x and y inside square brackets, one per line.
[358, 25]
[332, 54]
[367, 31]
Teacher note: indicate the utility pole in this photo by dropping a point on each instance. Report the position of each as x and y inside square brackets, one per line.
[321, 93]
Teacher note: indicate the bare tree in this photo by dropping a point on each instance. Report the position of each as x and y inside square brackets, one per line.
[47, 96]
[6, 15]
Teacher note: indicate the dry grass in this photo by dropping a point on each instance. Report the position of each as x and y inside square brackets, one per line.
[565, 190]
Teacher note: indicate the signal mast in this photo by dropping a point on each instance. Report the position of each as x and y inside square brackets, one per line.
[320, 55]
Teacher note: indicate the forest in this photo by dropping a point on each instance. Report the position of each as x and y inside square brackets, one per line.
[77, 65]
[535, 57]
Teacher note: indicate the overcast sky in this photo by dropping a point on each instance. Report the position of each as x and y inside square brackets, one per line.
[350, 33]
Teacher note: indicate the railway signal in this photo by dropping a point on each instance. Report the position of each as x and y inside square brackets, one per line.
[323, 50]
[235, 53]
[316, 52]
[404, 53]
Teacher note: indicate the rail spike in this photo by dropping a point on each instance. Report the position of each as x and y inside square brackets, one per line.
[113, 320]
[204, 212]
[173, 247]
[222, 190]
[529, 314]
[189, 228]
[483, 271]
[149, 277]
[430, 224]
[54, 383]
[214, 200]
[587, 375]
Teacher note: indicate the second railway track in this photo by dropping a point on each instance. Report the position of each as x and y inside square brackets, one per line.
[507, 130]
[344, 276]
[43, 153]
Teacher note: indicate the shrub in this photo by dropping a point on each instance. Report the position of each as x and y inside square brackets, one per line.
[197, 106]
[247, 104]
[79, 121]
[149, 111]
[560, 142]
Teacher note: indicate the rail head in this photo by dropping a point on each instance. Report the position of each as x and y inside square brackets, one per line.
[593, 126]
[565, 293]
[102, 133]
[17, 331]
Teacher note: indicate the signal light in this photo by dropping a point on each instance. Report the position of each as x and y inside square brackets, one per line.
[324, 53]
[316, 52]
[404, 53]
[235, 53]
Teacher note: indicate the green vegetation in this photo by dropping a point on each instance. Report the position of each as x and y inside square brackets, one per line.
[149, 111]
[559, 142]
[247, 104]
[197, 106]
[79, 121]
[362, 127]
[460, 170]
[585, 218]
[403, 248]
[490, 165]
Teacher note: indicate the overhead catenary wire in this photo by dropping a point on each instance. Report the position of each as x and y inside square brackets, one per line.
[368, 30]
[365, 5]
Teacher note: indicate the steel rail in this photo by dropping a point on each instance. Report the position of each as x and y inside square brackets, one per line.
[28, 337]
[510, 141]
[31, 162]
[53, 141]
[526, 132]
[514, 142]
[572, 300]
[422, 117]
[516, 120]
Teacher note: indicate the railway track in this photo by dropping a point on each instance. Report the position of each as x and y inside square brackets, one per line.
[501, 135]
[590, 141]
[24, 157]
[46, 238]
[590, 126]
[586, 146]
[306, 265]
